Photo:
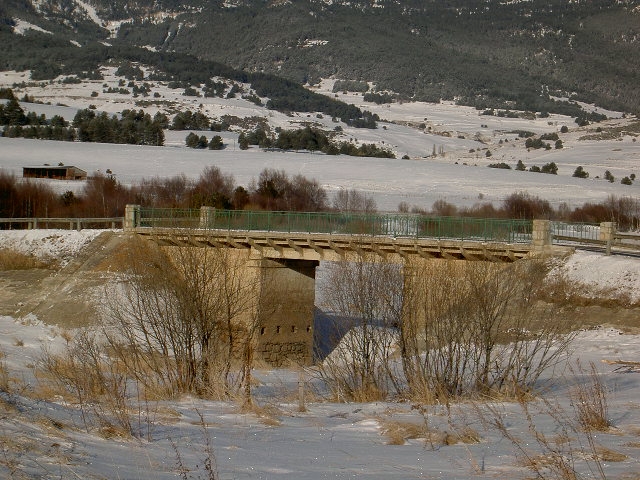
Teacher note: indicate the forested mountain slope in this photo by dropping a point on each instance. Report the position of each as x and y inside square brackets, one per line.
[520, 55]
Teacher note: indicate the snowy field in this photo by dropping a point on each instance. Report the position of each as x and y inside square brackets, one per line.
[458, 175]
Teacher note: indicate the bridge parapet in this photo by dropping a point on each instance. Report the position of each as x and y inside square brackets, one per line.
[333, 223]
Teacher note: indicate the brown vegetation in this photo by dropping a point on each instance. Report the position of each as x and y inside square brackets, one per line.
[104, 196]
[13, 260]
[476, 328]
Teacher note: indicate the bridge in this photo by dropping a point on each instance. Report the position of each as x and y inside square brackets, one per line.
[316, 236]
[281, 250]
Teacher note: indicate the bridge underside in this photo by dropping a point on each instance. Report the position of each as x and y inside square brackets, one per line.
[275, 245]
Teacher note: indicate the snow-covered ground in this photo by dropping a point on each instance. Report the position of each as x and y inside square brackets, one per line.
[49, 439]
[458, 175]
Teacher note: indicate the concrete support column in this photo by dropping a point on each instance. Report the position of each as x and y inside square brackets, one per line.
[131, 217]
[286, 308]
[607, 234]
[541, 234]
[207, 217]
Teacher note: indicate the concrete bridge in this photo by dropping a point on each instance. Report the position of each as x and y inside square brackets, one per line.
[316, 236]
[284, 249]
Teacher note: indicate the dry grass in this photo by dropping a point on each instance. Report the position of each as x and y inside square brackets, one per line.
[550, 466]
[14, 260]
[84, 375]
[266, 414]
[572, 294]
[398, 433]
[589, 400]
[4, 374]
[607, 455]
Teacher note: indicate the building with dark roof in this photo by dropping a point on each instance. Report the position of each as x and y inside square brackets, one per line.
[56, 173]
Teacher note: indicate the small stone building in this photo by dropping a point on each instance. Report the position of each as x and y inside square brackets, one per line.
[55, 173]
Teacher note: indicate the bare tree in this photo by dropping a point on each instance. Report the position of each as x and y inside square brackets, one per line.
[367, 292]
[354, 201]
[184, 319]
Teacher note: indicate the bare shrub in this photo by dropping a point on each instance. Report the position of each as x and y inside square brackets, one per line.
[83, 373]
[367, 293]
[561, 456]
[209, 462]
[589, 399]
[354, 201]
[184, 319]
[476, 328]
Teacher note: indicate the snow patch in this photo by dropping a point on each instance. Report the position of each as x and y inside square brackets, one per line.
[60, 245]
[91, 12]
[22, 27]
[619, 274]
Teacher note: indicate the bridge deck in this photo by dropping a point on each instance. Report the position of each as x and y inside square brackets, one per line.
[323, 246]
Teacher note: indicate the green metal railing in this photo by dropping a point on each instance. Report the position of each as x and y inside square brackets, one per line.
[393, 225]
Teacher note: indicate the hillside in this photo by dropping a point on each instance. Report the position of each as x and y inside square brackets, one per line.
[520, 55]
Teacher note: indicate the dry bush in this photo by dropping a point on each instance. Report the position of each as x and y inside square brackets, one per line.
[14, 260]
[84, 374]
[477, 328]
[183, 320]
[589, 399]
[209, 462]
[366, 292]
[551, 457]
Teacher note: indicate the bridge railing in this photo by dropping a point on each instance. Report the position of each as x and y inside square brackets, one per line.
[60, 223]
[395, 225]
[563, 232]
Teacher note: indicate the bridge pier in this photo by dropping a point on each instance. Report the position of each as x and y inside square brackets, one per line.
[131, 217]
[285, 311]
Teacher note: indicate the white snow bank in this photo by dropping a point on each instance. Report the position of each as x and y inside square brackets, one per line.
[22, 26]
[620, 274]
[60, 245]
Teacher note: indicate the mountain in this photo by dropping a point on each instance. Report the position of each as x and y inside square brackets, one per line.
[522, 55]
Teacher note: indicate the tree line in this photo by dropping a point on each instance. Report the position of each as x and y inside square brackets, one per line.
[311, 139]
[104, 196]
[132, 127]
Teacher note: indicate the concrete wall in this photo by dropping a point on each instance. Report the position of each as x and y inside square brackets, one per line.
[285, 317]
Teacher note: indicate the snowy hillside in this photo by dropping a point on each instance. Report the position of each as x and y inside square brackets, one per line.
[457, 173]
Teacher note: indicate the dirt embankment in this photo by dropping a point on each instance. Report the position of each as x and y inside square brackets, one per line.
[68, 297]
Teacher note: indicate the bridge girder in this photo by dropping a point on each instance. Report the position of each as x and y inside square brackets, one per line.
[293, 246]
